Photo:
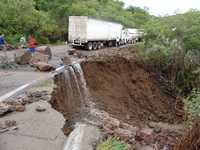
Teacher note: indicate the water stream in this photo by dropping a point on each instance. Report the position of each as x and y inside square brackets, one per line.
[78, 94]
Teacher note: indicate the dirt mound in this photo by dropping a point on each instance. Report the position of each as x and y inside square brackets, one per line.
[127, 91]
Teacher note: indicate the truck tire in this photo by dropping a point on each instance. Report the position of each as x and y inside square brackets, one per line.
[95, 46]
[89, 46]
[99, 45]
[115, 43]
[110, 44]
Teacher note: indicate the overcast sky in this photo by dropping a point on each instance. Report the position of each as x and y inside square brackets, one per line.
[164, 7]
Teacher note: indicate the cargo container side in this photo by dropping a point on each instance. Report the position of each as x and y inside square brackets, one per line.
[97, 30]
[77, 29]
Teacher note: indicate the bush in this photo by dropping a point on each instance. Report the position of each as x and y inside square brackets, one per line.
[111, 144]
[173, 51]
[193, 103]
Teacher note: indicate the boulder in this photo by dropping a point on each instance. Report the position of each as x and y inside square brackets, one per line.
[45, 50]
[22, 58]
[124, 134]
[145, 135]
[5, 108]
[40, 108]
[20, 108]
[39, 57]
[66, 60]
[71, 52]
[42, 66]
[8, 125]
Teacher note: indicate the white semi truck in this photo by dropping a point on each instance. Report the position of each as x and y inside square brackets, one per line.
[133, 35]
[94, 34]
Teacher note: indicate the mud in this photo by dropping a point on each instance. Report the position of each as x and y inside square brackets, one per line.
[128, 92]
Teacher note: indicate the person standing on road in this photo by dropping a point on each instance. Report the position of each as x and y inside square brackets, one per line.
[32, 44]
[2, 43]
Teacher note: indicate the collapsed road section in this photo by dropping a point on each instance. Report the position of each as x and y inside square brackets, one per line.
[115, 89]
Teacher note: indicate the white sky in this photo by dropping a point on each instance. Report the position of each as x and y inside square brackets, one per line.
[165, 7]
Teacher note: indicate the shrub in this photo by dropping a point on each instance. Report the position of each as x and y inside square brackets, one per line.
[111, 144]
[193, 103]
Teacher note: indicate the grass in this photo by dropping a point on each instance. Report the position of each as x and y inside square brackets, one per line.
[111, 144]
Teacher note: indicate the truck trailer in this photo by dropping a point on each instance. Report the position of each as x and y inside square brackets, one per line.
[93, 33]
[133, 35]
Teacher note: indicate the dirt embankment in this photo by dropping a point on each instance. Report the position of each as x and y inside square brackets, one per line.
[127, 91]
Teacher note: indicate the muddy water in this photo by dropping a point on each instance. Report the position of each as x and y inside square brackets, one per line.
[70, 94]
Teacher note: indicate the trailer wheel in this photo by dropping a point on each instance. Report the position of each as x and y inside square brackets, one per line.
[115, 43]
[89, 46]
[110, 44]
[99, 45]
[95, 46]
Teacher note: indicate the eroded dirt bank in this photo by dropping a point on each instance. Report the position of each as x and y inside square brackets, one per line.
[121, 98]
[127, 91]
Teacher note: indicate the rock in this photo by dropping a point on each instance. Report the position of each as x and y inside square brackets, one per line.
[8, 125]
[22, 58]
[124, 133]
[40, 108]
[42, 66]
[45, 50]
[115, 123]
[145, 135]
[71, 52]
[66, 60]
[38, 57]
[129, 127]
[147, 131]
[20, 108]
[5, 108]
[157, 130]
[147, 148]
[165, 148]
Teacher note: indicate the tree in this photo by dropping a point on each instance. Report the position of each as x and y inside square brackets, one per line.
[20, 16]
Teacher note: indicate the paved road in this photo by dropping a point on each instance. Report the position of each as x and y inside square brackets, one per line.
[36, 130]
[10, 80]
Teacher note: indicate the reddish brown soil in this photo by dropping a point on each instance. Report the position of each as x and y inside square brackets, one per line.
[127, 91]
[191, 140]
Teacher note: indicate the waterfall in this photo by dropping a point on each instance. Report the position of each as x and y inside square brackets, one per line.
[71, 92]
[83, 85]
[70, 96]
[82, 138]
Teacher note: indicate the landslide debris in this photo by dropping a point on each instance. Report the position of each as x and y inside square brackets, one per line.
[128, 92]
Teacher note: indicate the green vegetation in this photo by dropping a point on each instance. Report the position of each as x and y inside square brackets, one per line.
[48, 19]
[111, 144]
[19, 17]
[193, 103]
[172, 48]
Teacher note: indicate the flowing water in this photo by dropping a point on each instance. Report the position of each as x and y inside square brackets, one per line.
[71, 93]
[77, 94]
